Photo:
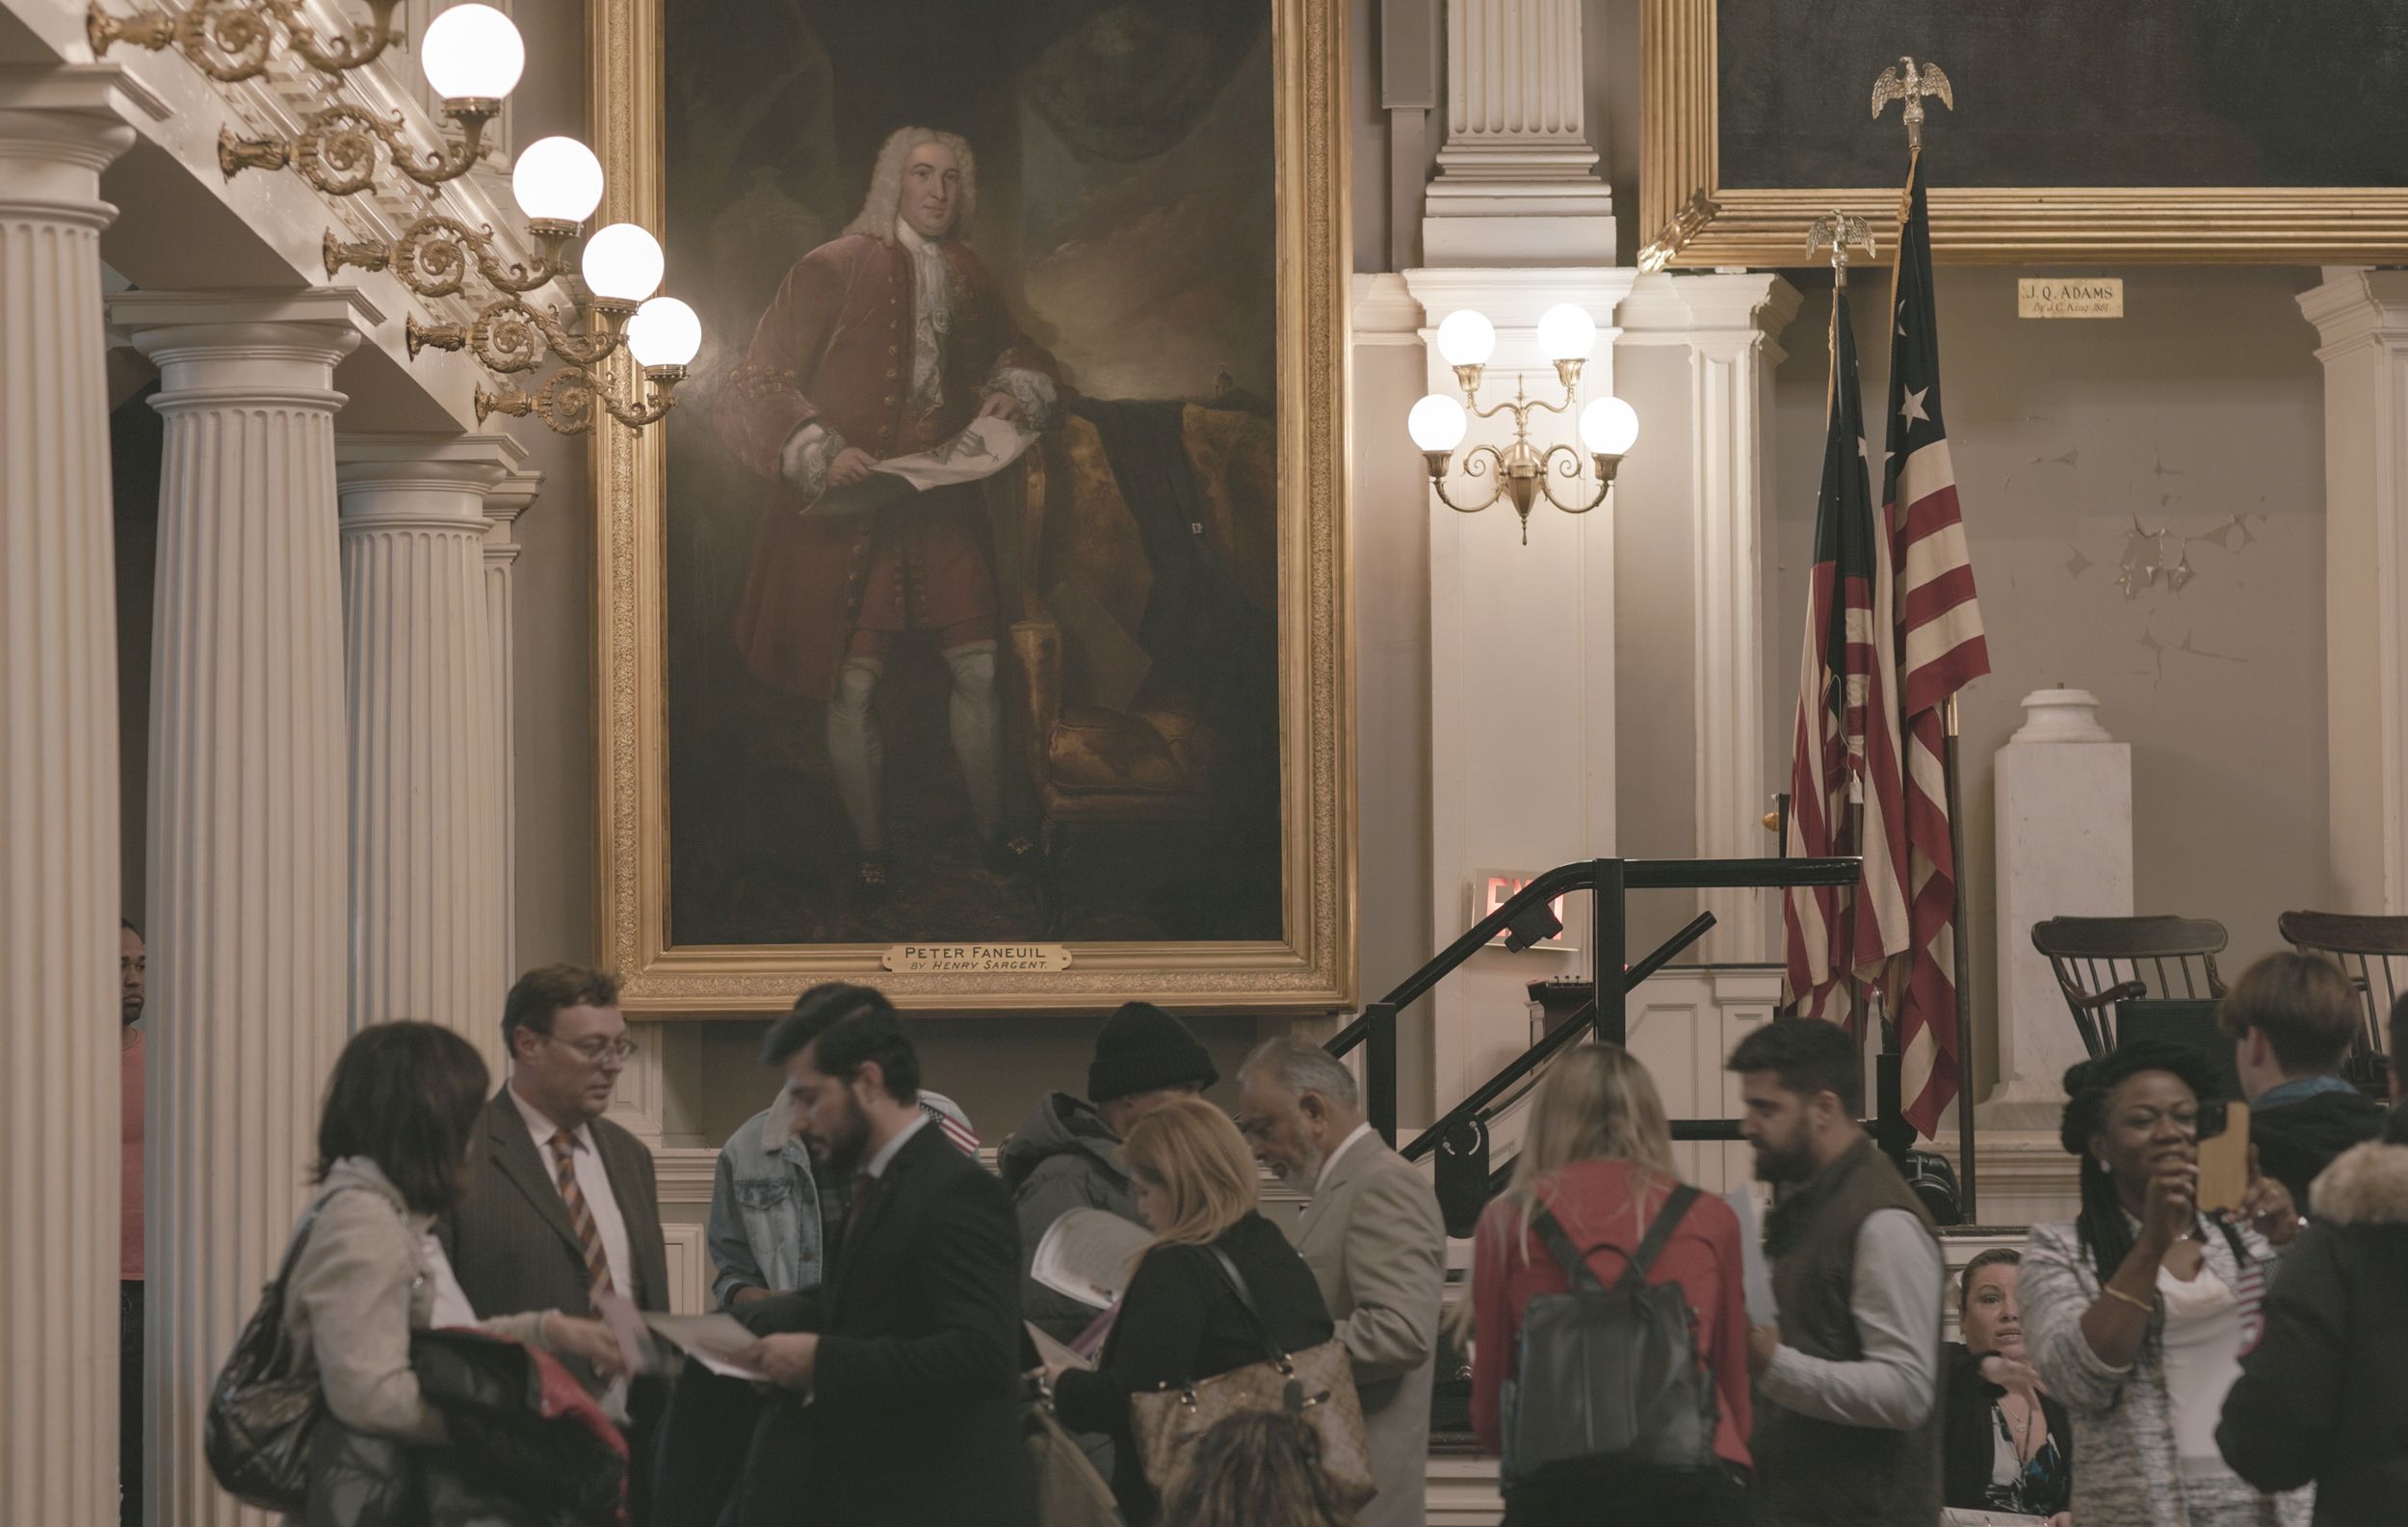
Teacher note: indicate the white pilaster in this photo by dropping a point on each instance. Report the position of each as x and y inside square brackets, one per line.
[247, 825]
[2064, 808]
[1522, 662]
[59, 802]
[1517, 177]
[2362, 318]
[1730, 326]
[502, 506]
[427, 903]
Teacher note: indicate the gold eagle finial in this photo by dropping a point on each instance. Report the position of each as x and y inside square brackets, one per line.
[1906, 81]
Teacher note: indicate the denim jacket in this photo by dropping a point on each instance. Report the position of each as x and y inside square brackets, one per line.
[765, 1226]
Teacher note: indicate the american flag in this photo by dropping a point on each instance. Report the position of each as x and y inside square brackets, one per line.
[1940, 650]
[1843, 763]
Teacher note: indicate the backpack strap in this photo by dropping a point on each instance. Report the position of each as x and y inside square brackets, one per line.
[1667, 1219]
[1574, 1265]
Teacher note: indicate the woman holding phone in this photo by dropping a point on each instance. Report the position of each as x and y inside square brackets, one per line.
[2136, 1313]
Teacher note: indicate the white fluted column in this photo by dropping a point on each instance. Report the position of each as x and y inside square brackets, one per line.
[1517, 177]
[426, 861]
[502, 507]
[1730, 326]
[59, 803]
[2361, 318]
[247, 825]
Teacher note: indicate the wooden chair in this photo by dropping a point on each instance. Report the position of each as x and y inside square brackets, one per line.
[2100, 962]
[2373, 953]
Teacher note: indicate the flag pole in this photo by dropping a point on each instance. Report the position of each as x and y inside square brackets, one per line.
[1960, 945]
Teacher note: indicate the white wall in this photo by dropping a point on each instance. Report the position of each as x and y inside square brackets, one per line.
[2202, 403]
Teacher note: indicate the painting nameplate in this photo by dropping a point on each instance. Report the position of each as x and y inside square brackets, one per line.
[981, 959]
[2082, 297]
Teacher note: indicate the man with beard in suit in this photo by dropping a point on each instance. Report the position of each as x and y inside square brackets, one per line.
[912, 1375]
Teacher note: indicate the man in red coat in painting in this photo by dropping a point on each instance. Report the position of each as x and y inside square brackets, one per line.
[882, 342]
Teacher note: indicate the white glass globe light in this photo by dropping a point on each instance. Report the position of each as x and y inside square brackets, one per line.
[557, 179]
[1466, 338]
[664, 332]
[472, 51]
[1436, 423]
[623, 263]
[1566, 332]
[1609, 426]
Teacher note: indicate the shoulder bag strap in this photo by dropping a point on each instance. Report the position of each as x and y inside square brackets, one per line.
[1245, 1299]
[1667, 1219]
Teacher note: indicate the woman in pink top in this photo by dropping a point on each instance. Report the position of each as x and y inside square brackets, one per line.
[1598, 1156]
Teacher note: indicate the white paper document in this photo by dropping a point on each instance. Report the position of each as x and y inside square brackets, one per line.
[1086, 1255]
[1051, 1354]
[981, 450]
[1755, 1277]
[711, 1340]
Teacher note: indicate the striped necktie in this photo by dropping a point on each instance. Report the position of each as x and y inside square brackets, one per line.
[580, 1213]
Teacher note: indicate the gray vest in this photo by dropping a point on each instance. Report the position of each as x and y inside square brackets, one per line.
[1811, 1471]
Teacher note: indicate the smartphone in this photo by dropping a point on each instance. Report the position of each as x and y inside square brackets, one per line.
[2223, 1156]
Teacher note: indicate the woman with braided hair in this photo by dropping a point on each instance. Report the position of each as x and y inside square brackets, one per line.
[2136, 1313]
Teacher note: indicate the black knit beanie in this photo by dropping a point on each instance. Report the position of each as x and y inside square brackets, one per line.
[1140, 1048]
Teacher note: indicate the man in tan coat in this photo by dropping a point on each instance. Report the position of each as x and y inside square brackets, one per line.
[1373, 1238]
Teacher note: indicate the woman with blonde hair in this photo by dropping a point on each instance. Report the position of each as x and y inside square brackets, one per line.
[1597, 1161]
[1182, 1320]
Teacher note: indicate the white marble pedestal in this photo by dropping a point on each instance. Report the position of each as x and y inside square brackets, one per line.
[2065, 810]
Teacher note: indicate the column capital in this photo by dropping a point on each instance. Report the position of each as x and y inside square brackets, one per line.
[1711, 310]
[513, 497]
[483, 463]
[228, 346]
[60, 126]
[2356, 307]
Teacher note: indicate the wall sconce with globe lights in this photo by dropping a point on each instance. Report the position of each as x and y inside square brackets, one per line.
[1522, 474]
[622, 265]
[662, 337]
[232, 41]
[558, 183]
[472, 55]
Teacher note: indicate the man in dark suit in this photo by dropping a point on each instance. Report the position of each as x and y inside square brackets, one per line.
[906, 1393]
[562, 1204]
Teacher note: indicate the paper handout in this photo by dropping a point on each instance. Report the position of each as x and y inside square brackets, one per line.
[981, 450]
[1052, 1353]
[711, 1340]
[1086, 1255]
[1755, 1277]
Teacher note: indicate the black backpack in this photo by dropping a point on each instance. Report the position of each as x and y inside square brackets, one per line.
[1608, 1382]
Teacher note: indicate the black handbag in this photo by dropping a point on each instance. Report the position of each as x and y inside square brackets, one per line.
[266, 1403]
[1608, 1382]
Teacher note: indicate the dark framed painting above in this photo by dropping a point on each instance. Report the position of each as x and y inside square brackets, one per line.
[976, 624]
[2223, 131]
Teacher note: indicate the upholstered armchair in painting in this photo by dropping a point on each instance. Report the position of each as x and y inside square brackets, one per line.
[1142, 532]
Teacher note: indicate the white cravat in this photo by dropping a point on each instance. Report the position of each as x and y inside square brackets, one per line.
[933, 306]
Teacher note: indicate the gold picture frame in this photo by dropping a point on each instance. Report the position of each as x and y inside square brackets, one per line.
[1692, 219]
[1313, 967]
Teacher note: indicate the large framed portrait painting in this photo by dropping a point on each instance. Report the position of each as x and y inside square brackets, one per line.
[975, 622]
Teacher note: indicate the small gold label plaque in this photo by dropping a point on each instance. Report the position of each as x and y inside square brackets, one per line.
[974, 960]
[2070, 297]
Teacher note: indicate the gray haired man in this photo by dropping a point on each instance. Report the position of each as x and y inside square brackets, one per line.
[1373, 1238]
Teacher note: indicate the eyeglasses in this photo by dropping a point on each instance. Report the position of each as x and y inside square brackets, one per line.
[598, 1052]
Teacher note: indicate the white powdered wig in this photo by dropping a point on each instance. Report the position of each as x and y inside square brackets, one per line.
[878, 208]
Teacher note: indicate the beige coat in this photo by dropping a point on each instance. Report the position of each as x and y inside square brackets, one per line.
[364, 1280]
[1377, 1245]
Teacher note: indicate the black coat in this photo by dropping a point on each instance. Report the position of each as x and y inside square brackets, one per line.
[1181, 1322]
[2324, 1397]
[1968, 1451]
[914, 1415]
[2296, 1140]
